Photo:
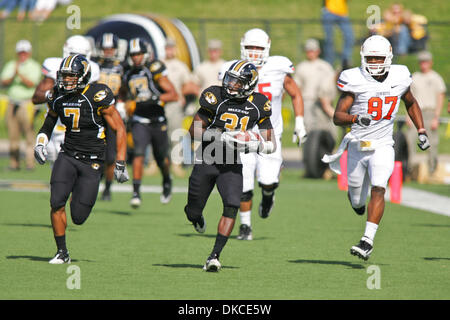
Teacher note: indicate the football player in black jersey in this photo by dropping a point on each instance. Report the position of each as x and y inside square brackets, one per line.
[84, 109]
[146, 83]
[226, 112]
[111, 72]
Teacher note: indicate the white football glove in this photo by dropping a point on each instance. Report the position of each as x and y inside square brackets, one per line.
[299, 135]
[40, 150]
[230, 140]
[120, 172]
[424, 142]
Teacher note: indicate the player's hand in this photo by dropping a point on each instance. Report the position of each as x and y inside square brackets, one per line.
[363, 120]
[40, 153]
[299, 135]
[120, 172]
[424, 142]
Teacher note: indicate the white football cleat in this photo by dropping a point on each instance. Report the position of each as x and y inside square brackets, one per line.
[135, 202]
[212, 265]
[61, 257]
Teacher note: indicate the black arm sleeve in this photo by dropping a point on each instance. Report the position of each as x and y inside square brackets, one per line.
[49, 124]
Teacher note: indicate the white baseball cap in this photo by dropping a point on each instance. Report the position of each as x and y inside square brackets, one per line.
[23, 46]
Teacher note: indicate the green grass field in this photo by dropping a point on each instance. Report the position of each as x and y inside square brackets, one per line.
[300, 252]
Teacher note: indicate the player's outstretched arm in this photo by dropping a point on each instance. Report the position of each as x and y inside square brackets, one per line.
[295, 93]
[341, 116]
[197, 128]
[414, 112]
[170, 93]
[269, 143]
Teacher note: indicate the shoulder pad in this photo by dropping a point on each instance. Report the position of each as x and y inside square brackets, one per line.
[210, 98]
[348, 78]
[280, 63]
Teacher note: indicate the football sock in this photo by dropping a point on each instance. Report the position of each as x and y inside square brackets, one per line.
[245, 217]
[221, 240]
[136, 186]
[267, 196]
[107, 185]
[371, 230]
[61, 242]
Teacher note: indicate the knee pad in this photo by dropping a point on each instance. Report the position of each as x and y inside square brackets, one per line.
[230, 212]
[270, 187]
[247, 196]
[79, 212]
[192, 215]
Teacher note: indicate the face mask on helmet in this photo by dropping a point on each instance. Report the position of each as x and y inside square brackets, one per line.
[240, 80]
[255, 46]
[73, 74]
[376, 55]
[139, 52]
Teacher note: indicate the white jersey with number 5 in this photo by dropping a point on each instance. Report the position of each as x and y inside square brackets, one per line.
[271, 84]
[379, 99]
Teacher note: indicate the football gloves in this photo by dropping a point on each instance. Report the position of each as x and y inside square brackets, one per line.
[230, 140]
[299, 135]
[40, 151]
[120, 172]
[363, 120]
[424, 142]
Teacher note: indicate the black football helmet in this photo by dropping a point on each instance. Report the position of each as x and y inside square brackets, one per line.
[240, 79]
[75, 66]
[138, 45]
[108, 41]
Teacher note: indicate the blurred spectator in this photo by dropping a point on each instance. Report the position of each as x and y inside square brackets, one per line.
[206, 73]
[316, 79]
[428, 88]
[335, 12]
[405, 30]
[44, 8]
[20, 76]
[23, 6]
[181, 77]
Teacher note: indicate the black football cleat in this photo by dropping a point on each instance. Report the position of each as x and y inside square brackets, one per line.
[362, 250]
[245, 232]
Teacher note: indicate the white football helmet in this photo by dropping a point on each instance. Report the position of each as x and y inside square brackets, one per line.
[257, 38]
[77, 45]
[376, 46]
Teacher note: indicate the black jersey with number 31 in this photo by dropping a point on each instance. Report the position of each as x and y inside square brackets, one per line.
[80, 113]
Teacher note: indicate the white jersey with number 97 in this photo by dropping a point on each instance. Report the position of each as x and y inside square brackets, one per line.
[379, 99]
[270, 83]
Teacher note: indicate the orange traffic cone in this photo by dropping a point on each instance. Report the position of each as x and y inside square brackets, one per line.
[342, 178]
[396, 182]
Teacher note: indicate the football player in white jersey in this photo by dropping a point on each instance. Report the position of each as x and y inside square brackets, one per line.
[369, 102]
[275, 77]
[74, 45]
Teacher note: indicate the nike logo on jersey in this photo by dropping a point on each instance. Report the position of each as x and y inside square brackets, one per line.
[248, 108]
[81, 100]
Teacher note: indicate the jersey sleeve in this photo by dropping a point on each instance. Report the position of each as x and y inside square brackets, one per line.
[265, 111]
[103, 97]
[343, 82]
[284, 64]
[209, 100]
[158, 69]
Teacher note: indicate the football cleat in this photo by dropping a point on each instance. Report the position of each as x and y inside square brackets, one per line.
[200, 226]
[106, 196]
[363, 249]
[245, 232]
[266, 206]
[61, 257]
[135, 201]
[360, 211]
[212, 264]
[167, 193]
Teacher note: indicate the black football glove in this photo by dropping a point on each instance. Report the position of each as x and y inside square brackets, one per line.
[120, 172]
[364, 120]
[424, 142]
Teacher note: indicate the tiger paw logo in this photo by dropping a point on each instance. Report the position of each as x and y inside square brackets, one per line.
[99, 96]
[210, 98]
[267, 106]
[95, 166]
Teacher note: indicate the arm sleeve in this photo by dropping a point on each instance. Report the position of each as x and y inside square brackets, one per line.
[49, 124]
[158, 69]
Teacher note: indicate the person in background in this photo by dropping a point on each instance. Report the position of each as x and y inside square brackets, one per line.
[21, 77]
[335, 12]
[206, 73]
[429, 89]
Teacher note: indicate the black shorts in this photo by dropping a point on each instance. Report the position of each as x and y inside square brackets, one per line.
[111, 146]
[81, 178]
[204, 177]
[154, 134]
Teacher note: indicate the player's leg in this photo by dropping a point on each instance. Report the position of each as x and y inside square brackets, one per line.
[201, 183]
[229, 185]
[85, 190]
[141, 138]
[248, 172]
[268, 176]
[61, 183]
[160, 147]
[110, 160]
